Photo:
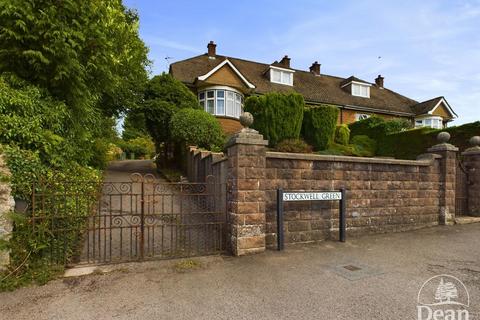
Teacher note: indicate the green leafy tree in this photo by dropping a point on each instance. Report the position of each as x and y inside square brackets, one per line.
[164, 96]
[134, 125]
[86, 53]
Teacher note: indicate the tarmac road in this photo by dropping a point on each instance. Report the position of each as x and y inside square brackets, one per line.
[303, 282]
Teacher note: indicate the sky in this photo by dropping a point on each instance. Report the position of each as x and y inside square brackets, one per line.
[423, 48]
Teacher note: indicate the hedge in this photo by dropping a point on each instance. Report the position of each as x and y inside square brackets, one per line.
[409, 144]
[342, 134]
[378, 128]
[277, 116]
[197, 127]
[319, 124]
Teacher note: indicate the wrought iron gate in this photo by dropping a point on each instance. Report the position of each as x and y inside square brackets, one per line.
[461, 189]
[133, 220]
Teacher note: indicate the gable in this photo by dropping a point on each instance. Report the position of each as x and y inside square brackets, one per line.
[442, 111]
[226, 76]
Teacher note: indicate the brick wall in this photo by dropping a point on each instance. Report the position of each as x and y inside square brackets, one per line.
[383, 195]
[472, 164]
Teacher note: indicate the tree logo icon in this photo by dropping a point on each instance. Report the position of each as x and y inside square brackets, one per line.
[443, 297]
[446, 291]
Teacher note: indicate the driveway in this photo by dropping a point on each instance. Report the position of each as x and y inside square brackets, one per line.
[178, 219]
[303, 282]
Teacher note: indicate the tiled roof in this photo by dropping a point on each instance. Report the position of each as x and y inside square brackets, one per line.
[315, 89]
[426, 106]
[352, 78]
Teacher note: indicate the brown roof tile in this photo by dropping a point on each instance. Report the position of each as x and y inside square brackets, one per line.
[315, 89]
[426, 106]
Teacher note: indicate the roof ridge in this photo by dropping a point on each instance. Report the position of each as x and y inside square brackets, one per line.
[439, 97]
[188, 59]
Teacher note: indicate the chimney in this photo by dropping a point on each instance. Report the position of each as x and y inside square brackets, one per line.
[212, 52]
[379, 81]
[315, 68]
[285, 62]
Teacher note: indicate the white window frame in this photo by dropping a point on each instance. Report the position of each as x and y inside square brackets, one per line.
[283, 72]
[224, 103]
[363, 90]
[361, 116]
[235, 101]
[435, 122]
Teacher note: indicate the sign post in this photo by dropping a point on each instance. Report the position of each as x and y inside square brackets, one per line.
[342, 225]
[311, 196]
[280, 240]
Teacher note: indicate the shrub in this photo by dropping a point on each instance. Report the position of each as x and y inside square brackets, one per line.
[141, 147]
[378, 128]
[319, 125]
[294, 145]
[364, 146]
[197, 127]
[277, 116]
[342, 134]
[25, 167]
[100, 158]
[365, 127]
[361, 146]
[397, 125]
[336, 149]
[411, 143]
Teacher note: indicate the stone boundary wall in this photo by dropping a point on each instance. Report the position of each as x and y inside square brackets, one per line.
[6, 206]
[201, 164]
[383, 195]
[471, 158]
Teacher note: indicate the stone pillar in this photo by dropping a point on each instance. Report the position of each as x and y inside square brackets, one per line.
[6, 206]
[246, 153]
[448, 166]
[471, 158]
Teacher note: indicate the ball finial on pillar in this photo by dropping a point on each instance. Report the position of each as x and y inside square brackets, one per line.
[246, 119]
[443, 137]
[475, 141]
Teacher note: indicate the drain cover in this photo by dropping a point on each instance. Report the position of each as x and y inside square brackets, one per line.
[352, 268]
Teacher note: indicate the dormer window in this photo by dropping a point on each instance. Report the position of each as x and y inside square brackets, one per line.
[360, 90]
[356, 87]
[281, 75]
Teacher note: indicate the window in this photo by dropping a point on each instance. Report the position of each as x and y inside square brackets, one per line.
[221, 102]
[210, 108]
[360, 90]
[281, 76]
[432, 122]
[361, 116]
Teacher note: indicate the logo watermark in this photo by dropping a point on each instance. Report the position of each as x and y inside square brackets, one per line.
[443, 297]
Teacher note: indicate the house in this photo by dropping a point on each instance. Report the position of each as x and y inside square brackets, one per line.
[222, 83]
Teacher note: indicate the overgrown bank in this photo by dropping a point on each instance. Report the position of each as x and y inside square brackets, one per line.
[66, 73]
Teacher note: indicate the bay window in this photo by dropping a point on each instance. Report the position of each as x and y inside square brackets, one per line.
[221, 102]
[432, 122]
